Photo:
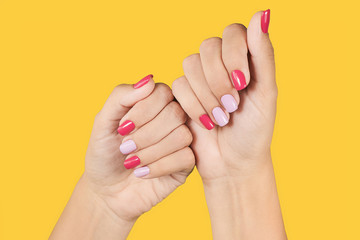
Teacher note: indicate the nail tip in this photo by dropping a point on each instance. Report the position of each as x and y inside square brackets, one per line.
[143, 81]
[265, 21]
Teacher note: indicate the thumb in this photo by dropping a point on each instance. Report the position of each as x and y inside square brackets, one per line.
[262, 64]
[122, 98]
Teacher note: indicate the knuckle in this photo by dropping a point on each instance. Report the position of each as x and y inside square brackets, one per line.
[118, 88]
[192, 60]
[233, 28]
[176, 111]
[210, 44]
[164, 92]
[188, 158]
[184, 135]
[178, 83]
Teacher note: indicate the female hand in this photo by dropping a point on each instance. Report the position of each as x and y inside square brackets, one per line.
[209, 93]
[153, 159]
[233, 158]
[156, 143]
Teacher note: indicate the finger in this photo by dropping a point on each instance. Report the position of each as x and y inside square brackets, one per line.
[179, 138]
[216, 74]
[165, 122]
[194, 74]
[262, 61]
[235, 55]
[122, 98]
[189, 102]
[146, 109]
[180, 161]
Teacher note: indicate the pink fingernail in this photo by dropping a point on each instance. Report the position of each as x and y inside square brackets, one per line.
[238, 79]
[141, 172]
[131, 162]
[220, 116]
[143, 81]
[126, 128]
[265, 21]
[206, 121]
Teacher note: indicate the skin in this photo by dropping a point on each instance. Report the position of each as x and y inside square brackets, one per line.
[109, 198]
[234, 161]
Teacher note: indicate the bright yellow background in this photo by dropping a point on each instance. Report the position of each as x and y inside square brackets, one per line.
[59, 60]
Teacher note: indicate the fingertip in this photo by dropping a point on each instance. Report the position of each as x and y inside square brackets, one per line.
[143, 81]
[265, 21]
[143, 88]
[258, 38]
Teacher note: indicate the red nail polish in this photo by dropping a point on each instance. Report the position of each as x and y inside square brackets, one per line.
[206, 121]
[132, 162]
[126, 128]
[265, 20]
[238, 79]
[143, 81]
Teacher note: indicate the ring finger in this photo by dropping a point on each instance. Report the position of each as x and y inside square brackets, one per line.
[216, 74]
[195, 75]
[179, 138]
[152, 132]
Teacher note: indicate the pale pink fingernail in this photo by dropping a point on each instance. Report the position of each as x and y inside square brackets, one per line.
[141, 172]
[229, 103]
[127, 147]
[220, 116]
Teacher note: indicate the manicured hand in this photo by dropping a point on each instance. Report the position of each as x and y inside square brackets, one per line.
[137, 155]
[229, 92]
[138, 151]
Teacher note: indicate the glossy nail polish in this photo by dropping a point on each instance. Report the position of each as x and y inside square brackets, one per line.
[265, 21]
[127, 147]
[206, 121]
[143, 81]
[141, 172]
[131, 162]
[220, 116]
[238, 79]
[126, 128]
[229, 103]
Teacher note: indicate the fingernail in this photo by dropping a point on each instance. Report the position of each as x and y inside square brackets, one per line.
[126, 128]
[238, 79]
[143, 81]
[131, 162]
[220, 116]
[127, 147]
[229, 103]
[206, 121]
[141, 172]
[265, 21]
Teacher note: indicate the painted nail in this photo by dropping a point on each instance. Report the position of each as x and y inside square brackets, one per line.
[265, 21]
[126, 128]
[238, 79]
[143, 81]
[127, 147]
[220, 116]
[131, 162]
[141, 172]
[229, 103]
[206, 121]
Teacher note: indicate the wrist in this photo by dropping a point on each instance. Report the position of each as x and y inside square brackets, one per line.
[87, 216]
[100, 208]
[244, 204]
